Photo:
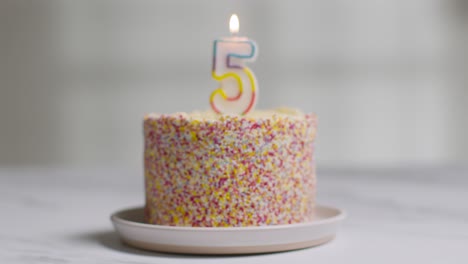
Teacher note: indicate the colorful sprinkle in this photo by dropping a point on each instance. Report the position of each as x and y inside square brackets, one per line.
[215, 171]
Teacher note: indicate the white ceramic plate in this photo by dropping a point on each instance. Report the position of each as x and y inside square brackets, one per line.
[134, 231]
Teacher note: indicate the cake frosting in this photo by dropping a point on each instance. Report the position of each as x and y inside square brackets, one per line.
[208, 170]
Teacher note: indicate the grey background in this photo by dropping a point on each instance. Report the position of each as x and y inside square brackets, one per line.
[387, 78]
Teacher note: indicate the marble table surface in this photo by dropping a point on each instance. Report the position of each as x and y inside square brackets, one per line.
[405, 215]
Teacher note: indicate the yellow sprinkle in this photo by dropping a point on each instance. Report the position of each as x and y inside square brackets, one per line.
[180, 209]
[194, 136]
[279, 197]
[157, 185]
[249, 215]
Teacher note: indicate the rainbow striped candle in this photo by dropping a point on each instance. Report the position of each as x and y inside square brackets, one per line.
[238, 90]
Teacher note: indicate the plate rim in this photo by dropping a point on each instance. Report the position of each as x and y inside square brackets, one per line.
[116, 219]
[226, 250]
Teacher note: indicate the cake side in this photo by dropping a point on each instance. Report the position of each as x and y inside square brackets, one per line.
[203, 169]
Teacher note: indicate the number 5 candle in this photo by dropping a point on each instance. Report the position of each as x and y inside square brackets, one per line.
[237, 92]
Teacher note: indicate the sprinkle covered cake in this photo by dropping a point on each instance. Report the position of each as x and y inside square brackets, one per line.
[208, 170]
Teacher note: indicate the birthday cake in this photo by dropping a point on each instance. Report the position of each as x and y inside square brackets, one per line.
[232, 166]
[208, 170]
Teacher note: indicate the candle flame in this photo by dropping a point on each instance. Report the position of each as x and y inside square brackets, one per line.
[234, 24]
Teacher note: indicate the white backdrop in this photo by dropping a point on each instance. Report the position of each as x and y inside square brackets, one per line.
[387, 78]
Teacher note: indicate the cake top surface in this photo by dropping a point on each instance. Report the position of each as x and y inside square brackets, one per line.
[279, 113]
